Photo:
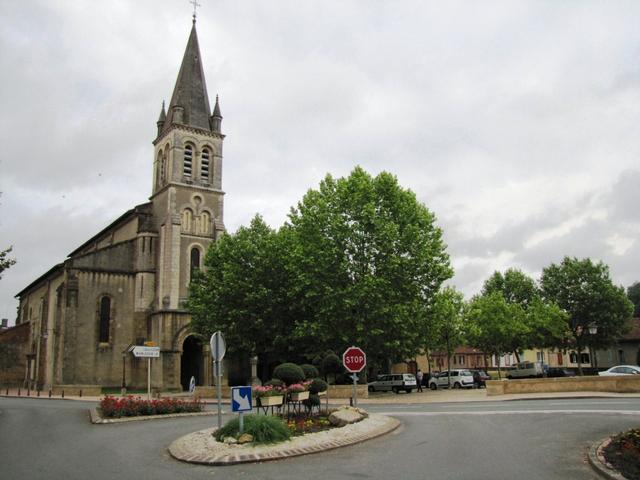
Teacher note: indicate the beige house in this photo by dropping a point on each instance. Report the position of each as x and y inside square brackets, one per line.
[127, 284]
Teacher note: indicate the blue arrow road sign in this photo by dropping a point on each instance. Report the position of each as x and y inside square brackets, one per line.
[241, 399]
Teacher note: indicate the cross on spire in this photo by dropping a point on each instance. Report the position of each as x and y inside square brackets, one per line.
[195, 6]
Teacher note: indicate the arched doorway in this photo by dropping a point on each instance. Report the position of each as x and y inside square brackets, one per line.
[191, 362]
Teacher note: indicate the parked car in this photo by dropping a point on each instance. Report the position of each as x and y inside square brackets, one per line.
[479, 378]
[560, 372]
[621, 370]
[394, 382]
[526, 370]
[459, 379]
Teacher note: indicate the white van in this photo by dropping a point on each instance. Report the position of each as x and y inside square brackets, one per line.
[394, 382]
[526, 370]
[459, 379]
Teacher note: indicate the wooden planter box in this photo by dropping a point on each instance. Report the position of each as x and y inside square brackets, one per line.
[271, 401]
[299, 396]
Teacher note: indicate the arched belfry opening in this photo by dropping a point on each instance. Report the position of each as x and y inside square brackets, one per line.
[191, 362]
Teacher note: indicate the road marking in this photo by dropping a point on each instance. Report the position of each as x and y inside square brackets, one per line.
[509, 412]
[595, 403]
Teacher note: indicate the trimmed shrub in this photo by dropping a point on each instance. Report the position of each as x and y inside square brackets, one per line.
[318, 385]
[331, 364]
[309, 371]
[274, 382]
[263, 428]
[130, 406]
[289, 373]
[317, 361]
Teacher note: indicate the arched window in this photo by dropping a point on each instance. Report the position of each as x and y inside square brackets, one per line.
[195, 261]
[160, 168]
[205, 220]
[187, 219]
[204, 165]
[188, 161]
[105, 314]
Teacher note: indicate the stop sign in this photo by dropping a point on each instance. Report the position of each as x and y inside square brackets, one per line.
[354, 359]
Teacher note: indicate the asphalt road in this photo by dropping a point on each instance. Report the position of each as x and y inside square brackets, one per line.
[541, 439]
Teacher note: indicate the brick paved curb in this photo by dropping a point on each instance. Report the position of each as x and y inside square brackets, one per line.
[598, 462]
[99, 420]
[192, 448]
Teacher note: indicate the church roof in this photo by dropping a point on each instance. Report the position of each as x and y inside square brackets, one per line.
[190, 91]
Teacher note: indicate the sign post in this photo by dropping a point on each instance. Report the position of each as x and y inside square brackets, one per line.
[218, 349]
[354, 360]
[241, 401]
[148, 353]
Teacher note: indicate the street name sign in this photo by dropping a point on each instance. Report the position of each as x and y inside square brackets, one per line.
[354, 359]
[146, 352]
[241, 399]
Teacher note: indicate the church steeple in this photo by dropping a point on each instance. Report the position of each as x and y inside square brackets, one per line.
[189, 104]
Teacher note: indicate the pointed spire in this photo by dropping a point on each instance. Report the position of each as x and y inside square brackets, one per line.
[216, 117]
[216, 109]
[163, 114]
[189, 103]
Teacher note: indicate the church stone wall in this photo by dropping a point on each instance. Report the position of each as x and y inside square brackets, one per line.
[14, 346]
[92, 362]
[118, 257]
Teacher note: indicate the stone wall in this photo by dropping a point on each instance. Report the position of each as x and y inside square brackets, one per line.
[14, 345]
[615, 384]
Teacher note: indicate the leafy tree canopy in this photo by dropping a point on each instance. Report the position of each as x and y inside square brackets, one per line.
[633, 292]
[5, 262]
[584, 290]
[367, 259]
[242, 290]
[515, 286]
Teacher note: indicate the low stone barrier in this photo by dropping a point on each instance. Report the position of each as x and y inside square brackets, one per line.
[77, 390]
[335, 391]
[613, 384]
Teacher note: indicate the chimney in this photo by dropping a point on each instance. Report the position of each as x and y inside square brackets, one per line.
[5, 324]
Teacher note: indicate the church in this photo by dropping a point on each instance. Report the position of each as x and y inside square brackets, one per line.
[127, 284]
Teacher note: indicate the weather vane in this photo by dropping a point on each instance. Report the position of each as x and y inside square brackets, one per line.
[195, 6]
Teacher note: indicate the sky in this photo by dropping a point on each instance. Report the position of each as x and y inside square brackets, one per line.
[517, 123]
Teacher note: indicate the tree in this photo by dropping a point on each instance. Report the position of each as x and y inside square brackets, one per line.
[242, 291]
[584, 290]
[368, 260]
[544, 323]
[494, 325]
[446, 322]
[5, 262]
[633, 292]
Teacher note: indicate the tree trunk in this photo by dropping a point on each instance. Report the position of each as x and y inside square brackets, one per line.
[498, 362]
[515, 352]
[580, 372]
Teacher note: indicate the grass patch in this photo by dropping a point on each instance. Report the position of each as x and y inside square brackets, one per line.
[263, 428]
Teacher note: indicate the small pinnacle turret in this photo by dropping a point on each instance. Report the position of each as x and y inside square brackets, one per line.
[161, 119]
[216, 117]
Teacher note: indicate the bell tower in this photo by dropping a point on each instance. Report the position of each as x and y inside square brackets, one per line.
[187, 194]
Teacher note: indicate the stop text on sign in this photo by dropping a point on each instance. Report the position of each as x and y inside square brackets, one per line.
[354, 359]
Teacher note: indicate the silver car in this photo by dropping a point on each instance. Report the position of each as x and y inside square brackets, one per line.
[621, 370]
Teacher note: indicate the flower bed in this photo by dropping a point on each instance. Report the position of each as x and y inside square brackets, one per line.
[302, 424]
[624, 453]
[130, 406]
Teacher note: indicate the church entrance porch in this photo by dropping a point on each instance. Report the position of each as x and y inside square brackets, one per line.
[192, 362]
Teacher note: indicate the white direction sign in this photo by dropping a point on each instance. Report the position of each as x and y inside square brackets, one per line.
[218, 346]
[146, 352]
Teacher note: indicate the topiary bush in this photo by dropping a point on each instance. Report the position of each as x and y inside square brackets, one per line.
[274, 382]
[289, 373]
[331, 364]
[309, 371]
[318, 385]
[263, 428]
